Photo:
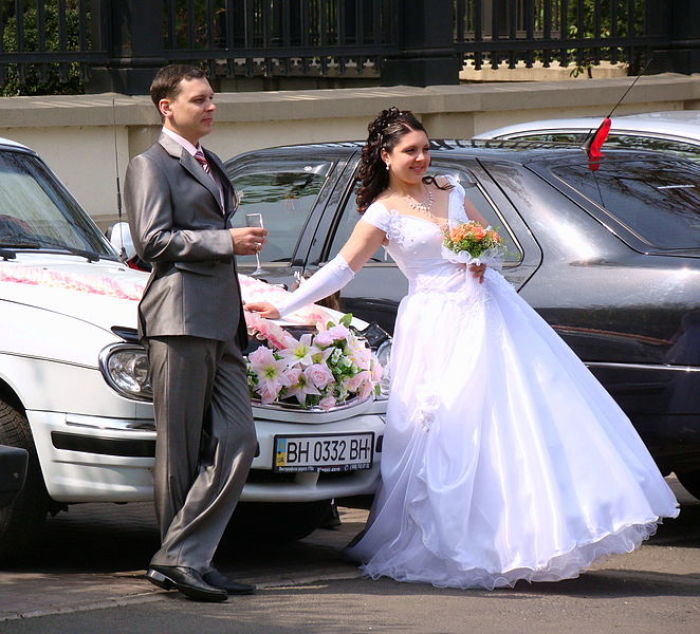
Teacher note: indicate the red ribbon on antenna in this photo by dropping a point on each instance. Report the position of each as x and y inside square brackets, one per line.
[594, 143]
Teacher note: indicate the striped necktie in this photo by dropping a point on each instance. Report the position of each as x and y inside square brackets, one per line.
[201, 159]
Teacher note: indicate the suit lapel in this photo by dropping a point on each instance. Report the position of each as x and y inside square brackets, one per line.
[190, 164]
[229, 198]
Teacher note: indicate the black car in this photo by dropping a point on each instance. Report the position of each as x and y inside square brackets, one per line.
[607, 253]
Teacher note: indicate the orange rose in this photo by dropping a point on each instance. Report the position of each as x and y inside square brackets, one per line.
[458, 233]
[478, 232]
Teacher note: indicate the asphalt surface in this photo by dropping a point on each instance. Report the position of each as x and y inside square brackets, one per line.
[86, 575]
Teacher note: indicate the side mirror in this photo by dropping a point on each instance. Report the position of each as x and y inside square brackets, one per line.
[120, 238]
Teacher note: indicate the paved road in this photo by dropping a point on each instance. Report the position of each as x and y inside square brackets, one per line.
[86, 575]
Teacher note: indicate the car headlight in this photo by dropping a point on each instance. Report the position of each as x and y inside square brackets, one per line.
[125, 368]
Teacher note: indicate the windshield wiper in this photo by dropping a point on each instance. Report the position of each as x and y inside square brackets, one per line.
[55, 247]
[7, 249]
[7, 254]
[19, 245]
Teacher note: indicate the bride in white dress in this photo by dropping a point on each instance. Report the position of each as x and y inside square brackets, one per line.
[504, 458]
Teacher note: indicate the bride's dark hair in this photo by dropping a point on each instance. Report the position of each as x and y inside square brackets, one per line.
[384, 133]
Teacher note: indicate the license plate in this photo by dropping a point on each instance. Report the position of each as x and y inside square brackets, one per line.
[341, 452]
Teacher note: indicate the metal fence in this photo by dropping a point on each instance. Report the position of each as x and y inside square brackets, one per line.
[46, 42]
[582, 32]
[58, 45]
[286, 38]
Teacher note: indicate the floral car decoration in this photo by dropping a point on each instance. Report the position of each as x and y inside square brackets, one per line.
[109, 286]
[321, 370]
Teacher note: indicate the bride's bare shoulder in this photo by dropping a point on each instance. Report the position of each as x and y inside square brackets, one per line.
[443, 180]
[387, 199]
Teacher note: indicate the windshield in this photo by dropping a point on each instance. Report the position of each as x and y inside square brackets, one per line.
[657, 201]
[37, 213]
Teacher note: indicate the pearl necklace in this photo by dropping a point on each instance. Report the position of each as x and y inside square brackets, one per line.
[422, 207]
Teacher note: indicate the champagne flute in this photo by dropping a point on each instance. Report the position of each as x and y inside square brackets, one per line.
[255, 220]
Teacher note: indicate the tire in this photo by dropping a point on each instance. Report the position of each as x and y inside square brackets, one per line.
[278, 523]
[21, 521]
[691, 481]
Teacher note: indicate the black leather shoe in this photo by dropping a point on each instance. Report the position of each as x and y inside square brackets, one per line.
[216, 579]
[186, 580]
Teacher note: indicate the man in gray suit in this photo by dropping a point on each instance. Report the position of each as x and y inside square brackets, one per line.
[180, 205]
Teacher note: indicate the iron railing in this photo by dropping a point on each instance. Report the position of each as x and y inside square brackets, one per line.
[582, 32]
[51, 43]
[282, 38]
[46, 42]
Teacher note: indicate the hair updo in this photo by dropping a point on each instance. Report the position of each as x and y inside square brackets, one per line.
[384, 133]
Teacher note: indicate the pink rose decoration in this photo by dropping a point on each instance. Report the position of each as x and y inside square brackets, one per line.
[323, 339]
[318, 371]
[338, 332]
[319, 375]
[327, 402]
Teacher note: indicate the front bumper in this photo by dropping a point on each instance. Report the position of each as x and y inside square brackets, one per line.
[98, 459]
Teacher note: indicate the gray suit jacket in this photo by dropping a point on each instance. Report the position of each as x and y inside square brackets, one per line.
[178, 225]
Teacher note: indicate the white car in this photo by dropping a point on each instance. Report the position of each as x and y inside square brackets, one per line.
[676, 131]
[74, 380]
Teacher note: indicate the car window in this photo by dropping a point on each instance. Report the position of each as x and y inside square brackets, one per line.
[346, 223]
[285, 194]
[638, 142]
[547, 137]
[473, 192]
[659, 202]
[615, 139]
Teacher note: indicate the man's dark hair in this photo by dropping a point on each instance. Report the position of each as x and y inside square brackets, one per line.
[166, 83]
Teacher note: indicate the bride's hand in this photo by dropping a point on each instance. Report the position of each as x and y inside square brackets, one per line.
[478, 271]
[265, 309]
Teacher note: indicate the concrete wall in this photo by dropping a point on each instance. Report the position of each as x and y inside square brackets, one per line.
[77, 135]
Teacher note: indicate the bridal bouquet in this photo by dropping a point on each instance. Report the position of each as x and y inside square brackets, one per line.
[320, 370]
[471, 243]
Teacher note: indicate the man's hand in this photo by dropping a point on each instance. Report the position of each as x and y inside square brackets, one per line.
[478, 271]
[248, 240]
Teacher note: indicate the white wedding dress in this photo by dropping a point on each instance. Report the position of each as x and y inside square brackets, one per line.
[504, 458]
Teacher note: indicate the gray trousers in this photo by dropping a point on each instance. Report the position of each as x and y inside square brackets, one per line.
[205, 444]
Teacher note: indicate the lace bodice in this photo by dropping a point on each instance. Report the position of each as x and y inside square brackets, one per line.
[415, 244]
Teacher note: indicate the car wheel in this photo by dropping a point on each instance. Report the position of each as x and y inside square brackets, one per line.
[691, 481]
[278, 522]
[21, 521]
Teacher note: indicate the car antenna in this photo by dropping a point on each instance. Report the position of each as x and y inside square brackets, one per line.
[122, 253]
[594, 141]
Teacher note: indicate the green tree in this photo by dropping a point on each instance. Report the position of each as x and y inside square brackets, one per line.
[628, 22]
[56, 78]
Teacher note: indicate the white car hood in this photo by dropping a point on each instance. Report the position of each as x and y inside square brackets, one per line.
[104, 293]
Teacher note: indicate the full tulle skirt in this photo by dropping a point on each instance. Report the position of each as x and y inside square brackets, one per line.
[504, 458]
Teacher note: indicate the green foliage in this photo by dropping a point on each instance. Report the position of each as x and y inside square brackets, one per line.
[49, 78]
[629, 14]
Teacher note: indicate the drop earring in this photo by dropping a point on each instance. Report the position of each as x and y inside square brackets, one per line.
[387, 167]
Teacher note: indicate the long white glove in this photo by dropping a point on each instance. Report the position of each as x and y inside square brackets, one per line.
[326, 281]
